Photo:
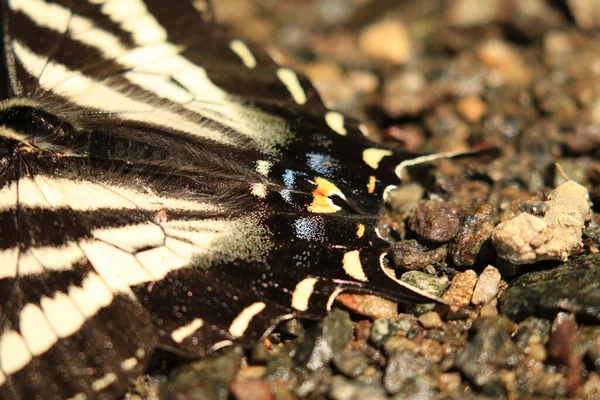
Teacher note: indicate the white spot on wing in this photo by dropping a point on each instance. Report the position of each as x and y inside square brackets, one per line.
[129, 364]
[8, 262]
[240, 48]
[92, 295]
[135, 19]
[263, 167]
[36, 330]
[302, 293]
[259, 190]
[104, 382]
[332, 297]
[58, 258]
[161, 260]
[29, 265]
[8, 197]
[14, 353]
[221, 344]
[123, 264]
[132, 237]
[290, 80]
[240, 324]
[335, 121]
[373, 156]
[104, 267]
[353, 266]
[63, 314]
[179, 334]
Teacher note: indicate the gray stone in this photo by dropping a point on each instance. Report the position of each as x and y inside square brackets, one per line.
[429, 283]
[488, 350]
[326, 339]
[574, 286]
[207, 379]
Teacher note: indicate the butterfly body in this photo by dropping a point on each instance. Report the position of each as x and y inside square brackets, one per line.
[164, 185]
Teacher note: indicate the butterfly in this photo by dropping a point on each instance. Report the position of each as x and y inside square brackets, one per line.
[163, 185]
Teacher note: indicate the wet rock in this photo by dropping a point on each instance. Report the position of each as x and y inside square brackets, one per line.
[386, 40]
[207, 379]
[574, 286]
[487, 286]
[412, 255]
[472, 244]
[435, 221]
[343, 389]
[527, 238]
[461, 288]
[325, 340]
[368, 305]
[402, 368]
[489, 350]
[429, 283]
[351, 363]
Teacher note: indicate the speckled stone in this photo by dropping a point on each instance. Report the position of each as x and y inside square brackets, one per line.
[207, 379]
[429, 283]
[488, 351]
[326, 339]
[574, 286]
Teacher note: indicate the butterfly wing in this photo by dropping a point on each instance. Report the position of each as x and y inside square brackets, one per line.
[164, 185]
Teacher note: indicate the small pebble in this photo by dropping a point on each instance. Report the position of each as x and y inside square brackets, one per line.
[471, 108]
[449, 381]
[386, 40]
[429, 283]
[368, 305]
[430, 319]
[538, 352]
[461, 288]
[254, 389]
[585, 12]
[488, 310]
[472, 244]
[506, 65]
[412, 255]
[526, 238]
[435, 221]
[487, 286]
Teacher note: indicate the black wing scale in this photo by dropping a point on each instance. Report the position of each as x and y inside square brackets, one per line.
[164, 185]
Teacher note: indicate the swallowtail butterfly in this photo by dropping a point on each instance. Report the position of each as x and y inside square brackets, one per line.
[163, 185]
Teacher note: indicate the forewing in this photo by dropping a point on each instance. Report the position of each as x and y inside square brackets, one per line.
[165, 185]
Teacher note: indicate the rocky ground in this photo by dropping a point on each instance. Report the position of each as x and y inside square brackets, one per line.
[515, 239]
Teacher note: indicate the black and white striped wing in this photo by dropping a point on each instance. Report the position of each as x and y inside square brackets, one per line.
[163, 185]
